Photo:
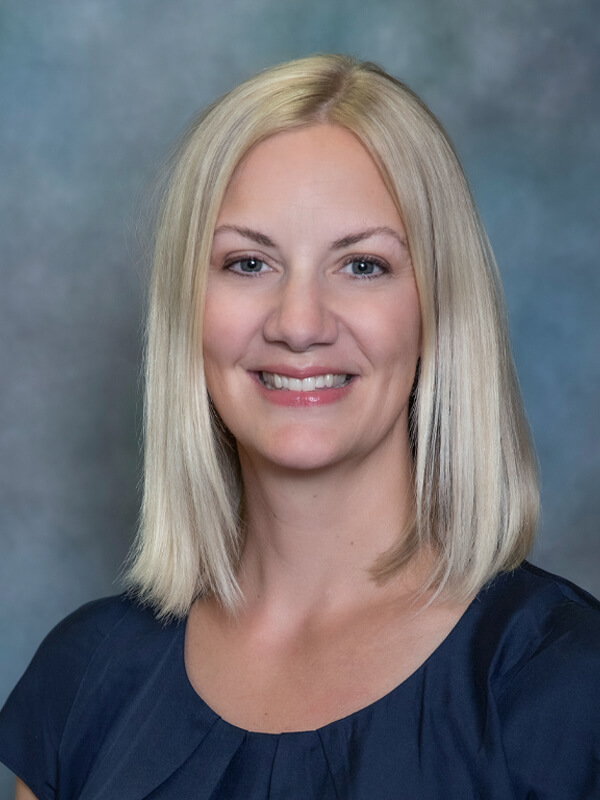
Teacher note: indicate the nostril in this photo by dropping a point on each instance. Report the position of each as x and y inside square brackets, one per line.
[301, 322]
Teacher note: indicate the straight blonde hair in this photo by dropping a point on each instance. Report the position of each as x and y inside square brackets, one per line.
[475, 475]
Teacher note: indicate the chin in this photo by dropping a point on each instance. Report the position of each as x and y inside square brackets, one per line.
[300, 452]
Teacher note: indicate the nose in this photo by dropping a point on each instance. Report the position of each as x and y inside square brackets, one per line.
[302, 316]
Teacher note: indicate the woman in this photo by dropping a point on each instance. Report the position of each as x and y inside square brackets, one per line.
[329, 596]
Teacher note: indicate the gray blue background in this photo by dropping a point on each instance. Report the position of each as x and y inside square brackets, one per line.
[92, 95]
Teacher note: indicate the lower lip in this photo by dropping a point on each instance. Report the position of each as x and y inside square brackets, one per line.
[318, 397]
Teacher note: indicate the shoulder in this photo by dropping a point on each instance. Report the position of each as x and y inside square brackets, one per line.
[62, 659]
[545, 682]
[84, 629]
[37, 712]
[537, 617]
[530, 622]
[69, 647]
[531, 628]
[86, 641]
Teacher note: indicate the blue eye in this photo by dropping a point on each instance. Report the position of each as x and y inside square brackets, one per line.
[365, 268]
[247, 266]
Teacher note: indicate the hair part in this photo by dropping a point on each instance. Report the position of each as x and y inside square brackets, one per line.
[475, 474]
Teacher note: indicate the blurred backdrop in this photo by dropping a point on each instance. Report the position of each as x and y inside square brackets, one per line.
[92, 95]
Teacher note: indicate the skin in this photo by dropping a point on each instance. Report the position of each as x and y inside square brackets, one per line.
[306, 309]
[328, 485]
[22, 792]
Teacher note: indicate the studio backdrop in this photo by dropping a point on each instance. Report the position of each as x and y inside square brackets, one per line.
[93, 93]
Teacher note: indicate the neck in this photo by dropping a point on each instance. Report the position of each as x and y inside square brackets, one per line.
[312, 537]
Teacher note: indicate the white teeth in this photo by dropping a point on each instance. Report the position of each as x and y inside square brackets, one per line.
[273, 380]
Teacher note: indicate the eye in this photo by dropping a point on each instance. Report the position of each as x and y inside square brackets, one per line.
[247, 266]
[365, 267]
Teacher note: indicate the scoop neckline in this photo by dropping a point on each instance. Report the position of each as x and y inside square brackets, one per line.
[404, 685]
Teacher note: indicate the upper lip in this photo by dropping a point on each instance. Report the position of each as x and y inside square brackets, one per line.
[303, 372]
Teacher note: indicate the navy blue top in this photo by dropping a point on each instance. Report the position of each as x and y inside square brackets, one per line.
[508, 706]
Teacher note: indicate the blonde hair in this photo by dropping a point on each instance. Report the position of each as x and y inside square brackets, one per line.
[475, 476]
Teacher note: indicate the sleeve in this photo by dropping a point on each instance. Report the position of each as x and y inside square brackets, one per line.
[550, 712]
[34, 716]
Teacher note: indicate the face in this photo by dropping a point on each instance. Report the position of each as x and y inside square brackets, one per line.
[312, 322]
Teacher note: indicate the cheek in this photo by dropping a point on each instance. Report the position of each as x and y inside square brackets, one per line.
[227, 332]
[394, 333]
[216, 338]
[409, 325]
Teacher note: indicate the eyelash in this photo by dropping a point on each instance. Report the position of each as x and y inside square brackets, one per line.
[228, 264]
[377, 262]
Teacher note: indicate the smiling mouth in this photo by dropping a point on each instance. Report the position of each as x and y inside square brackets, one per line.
[273, 380]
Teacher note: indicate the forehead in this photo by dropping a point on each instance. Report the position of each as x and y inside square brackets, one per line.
[316, 169]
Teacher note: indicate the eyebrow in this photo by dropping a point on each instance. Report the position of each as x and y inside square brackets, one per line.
[354, 238]
[248, 233]
[338, 244]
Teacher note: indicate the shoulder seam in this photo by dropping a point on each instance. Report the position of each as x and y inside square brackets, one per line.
[85, 672]
[526, 658]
